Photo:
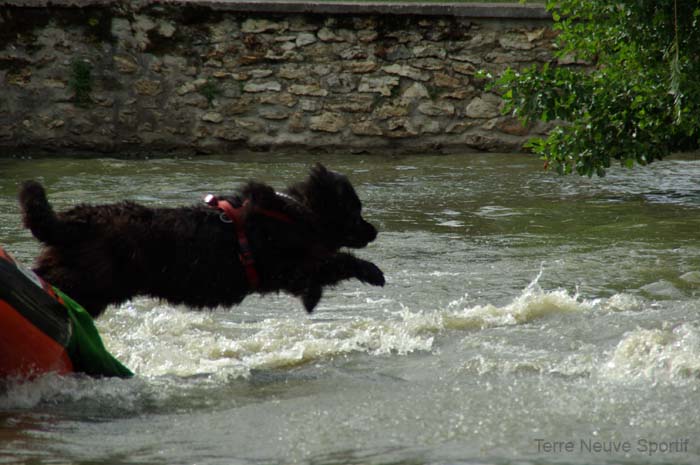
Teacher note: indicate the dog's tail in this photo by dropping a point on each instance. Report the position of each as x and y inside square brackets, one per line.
[38, 216]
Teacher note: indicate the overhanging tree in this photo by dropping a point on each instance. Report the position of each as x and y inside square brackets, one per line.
[636, 100]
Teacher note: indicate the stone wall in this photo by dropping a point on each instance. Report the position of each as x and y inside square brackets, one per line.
[185, 77]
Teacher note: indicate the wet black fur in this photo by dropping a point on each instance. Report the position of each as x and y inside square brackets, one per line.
[107, 254]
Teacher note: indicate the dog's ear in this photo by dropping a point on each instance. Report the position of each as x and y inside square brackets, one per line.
[319, 172]
[330, 182]
[319, 177]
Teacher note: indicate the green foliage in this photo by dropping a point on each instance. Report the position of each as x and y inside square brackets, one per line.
[80, 81]
[210, 91]
[635, 99]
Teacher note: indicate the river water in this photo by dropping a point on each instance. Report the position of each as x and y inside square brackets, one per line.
[527, 318]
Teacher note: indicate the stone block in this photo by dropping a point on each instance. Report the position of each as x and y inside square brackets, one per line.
[283, 55]
[280, 98]
[429, 51]
[486, 106]
[327, 122]
[392, 110]
[212, 117]
[55, 123]
[445, 80]
[380, 85]
[326, 34]
[342, 83]
[366, 128]
[354, 53]
[483, 142]
[459, 127]
[260, 73]
[429, 126]
[238, 106]
[464, 68]
[415, 91]
[515, 41]
[439, 108]
[367, 35]
[512, 126]
[125, 64]
[352, 104]
[400, 128]
[190, 86]
[251, 59]
[255, 25]
[273, 113]
[407, 71]
[293, 72]
[166, 29]
[396, 53]
[360, 67]
[250, 124]
[304, 39]
[147, 87]
[308, 90]
[535, 34]
[267, 86]
[310, 105]
[295, 124]
[459, 94]
[429, 64]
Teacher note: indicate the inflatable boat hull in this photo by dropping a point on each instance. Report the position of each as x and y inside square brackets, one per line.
[43, 330]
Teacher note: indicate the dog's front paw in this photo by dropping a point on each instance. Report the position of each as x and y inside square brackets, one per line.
[371, 274]
[311, 297]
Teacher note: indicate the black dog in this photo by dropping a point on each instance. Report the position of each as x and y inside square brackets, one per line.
[257, 241]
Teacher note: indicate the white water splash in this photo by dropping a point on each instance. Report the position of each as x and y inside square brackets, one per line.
[162, 340]
[667, 354]
[114, 393]
[159, 342]
[169, 341]
[533, 303]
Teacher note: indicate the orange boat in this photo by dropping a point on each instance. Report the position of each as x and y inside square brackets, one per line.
[43, 330]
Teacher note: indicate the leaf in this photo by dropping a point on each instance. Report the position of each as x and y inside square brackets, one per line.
[637, 101]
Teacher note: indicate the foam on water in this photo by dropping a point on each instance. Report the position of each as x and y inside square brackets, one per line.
[162, 340]
[658, 355]
[169, 341]
[108, 395]
[531, 304]
[159, 342]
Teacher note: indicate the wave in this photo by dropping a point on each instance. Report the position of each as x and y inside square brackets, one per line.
[162, 340]
[101, 396]
[168, 341]
[159, 342]
[658, 355]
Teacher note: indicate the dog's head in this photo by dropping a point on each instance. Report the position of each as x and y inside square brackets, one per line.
[331, 196]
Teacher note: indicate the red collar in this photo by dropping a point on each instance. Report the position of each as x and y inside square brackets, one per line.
[237, 216]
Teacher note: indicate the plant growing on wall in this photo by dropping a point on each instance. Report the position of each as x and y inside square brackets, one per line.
[80, 81]
[210, 91]
[637, 100]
